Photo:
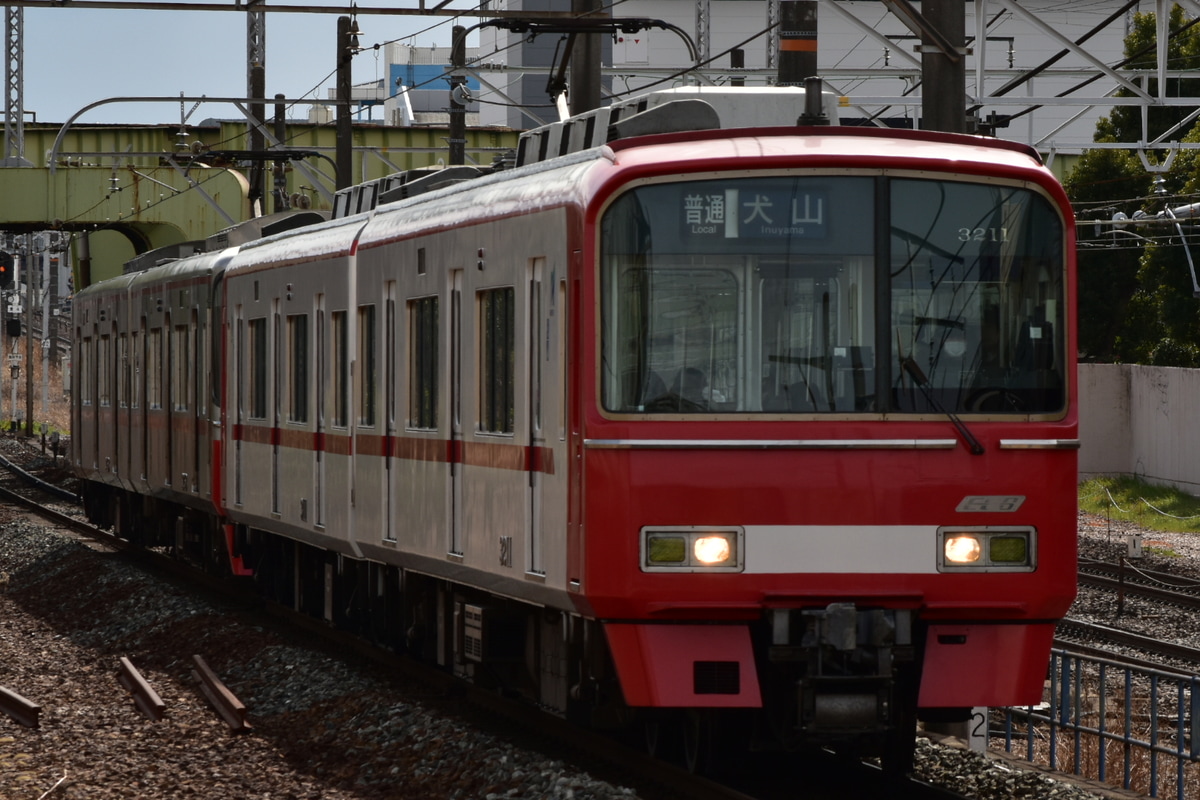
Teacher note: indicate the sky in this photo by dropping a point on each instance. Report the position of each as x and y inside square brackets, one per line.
[74, 57]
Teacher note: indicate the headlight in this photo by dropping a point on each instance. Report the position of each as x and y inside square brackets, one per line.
[712, 549]
[691, 548]
[985, 549]
[962, 549]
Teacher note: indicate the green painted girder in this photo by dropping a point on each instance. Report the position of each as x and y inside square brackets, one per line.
[155, 206]
[198, 203]
[150, 207]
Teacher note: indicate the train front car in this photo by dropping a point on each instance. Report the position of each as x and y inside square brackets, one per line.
[829, 431]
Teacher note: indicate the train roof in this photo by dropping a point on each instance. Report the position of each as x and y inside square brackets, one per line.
[682, 108]
[648, 135]
[847, 146]
[189, 267]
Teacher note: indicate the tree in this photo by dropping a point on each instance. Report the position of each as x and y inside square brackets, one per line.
[1136, 303]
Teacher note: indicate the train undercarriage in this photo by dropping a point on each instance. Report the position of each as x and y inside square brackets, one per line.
[839, 677]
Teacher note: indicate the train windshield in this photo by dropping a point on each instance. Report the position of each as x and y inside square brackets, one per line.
[832, 294]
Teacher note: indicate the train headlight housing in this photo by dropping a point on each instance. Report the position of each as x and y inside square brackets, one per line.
[987, 549]
[691, 548]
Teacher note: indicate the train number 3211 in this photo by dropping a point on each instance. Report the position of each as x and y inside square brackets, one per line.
[983, 234]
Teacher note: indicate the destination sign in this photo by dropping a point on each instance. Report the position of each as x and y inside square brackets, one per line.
[817, 214]
[759, 212]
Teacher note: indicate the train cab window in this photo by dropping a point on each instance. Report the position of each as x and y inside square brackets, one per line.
[745, 295]
[422, 363]
[977, 298]
[844, 294]
[297, 364]
[497, 356]
[257, 379]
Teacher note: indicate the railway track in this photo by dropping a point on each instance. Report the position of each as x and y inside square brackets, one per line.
[604, 755]
[1163, 587]
[1081, 636]
[1150, 650]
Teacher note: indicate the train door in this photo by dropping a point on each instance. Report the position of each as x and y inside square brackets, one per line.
[89, 380]
[322, 369]
[238, 400]
[276, 404]
[456, 417]
[124, 429]
[167, 391]
[389, 402]
[105, 441]
[143, 397]
[183, 467]
[537, 440]
[200, 412]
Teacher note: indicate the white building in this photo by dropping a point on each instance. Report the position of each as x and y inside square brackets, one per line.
[866, 54]
[1022, 66]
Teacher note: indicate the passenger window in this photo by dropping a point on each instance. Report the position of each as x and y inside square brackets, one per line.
[422, 363]
[258, 368]
[297, 332]
[497, 391]
[365, 373]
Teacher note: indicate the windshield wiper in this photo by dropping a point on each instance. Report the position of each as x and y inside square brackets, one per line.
[914, 371]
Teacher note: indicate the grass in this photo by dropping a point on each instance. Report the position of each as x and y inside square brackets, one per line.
[1146, 505]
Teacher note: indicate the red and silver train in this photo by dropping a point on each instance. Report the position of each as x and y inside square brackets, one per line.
[764, 433]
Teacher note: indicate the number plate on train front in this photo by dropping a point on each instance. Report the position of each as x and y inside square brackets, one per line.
[983, 502]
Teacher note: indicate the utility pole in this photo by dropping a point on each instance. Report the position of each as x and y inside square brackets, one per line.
[256, 79]
[282, 201]
[29, 300]
[49, 330]
[943, 66]
[14, 103]
[797, 41]
[258, 142]
[344, 152]
[458, 106]
[584, 92]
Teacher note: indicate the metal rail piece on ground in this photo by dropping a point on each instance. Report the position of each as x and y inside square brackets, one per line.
[144, 697]
[22, 710]
[232, 710]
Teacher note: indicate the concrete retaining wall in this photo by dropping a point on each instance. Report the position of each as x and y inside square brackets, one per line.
[1139, 420]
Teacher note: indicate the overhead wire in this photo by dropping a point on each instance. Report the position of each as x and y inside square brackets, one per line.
[82, 214]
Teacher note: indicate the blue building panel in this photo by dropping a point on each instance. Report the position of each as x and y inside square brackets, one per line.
[424, 77]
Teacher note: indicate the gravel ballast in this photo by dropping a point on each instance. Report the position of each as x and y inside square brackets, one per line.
[324, 726]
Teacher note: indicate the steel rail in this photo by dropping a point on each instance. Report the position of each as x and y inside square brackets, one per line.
[1136, 641]
[144, 697]
[232, 710]
[1130, 585]
[1138, 577]
[23, 711]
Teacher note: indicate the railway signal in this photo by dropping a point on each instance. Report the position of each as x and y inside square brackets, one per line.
[6, 269]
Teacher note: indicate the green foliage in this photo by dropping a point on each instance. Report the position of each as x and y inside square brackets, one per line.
[1172, 353]
[1130, 499]
[1107, 277]
[1141, 52]
[1138, 305]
